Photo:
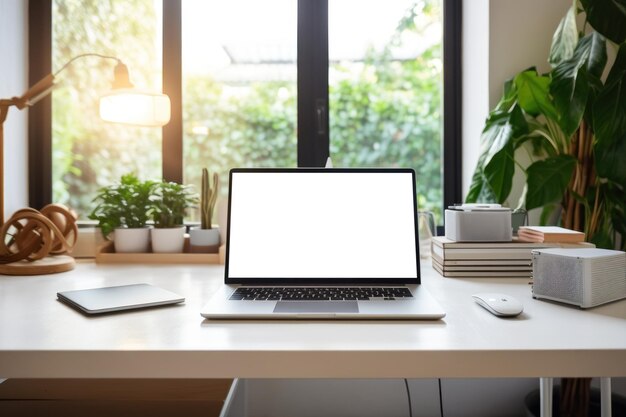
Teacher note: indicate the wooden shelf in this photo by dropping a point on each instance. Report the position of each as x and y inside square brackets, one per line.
[106, 255]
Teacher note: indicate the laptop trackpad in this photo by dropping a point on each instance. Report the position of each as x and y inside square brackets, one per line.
[316, 307]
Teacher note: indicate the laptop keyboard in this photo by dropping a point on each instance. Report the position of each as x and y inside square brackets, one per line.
[319, 294]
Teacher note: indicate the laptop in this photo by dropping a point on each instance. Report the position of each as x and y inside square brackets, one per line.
[118, 298]
[322, 243]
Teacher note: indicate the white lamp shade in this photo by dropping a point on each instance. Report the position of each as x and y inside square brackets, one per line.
[135, 107]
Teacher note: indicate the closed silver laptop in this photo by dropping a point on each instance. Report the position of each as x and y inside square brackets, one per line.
[118, 298]
[322, 243]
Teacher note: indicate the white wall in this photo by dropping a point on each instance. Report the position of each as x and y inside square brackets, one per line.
[14, 82]
[475, 46]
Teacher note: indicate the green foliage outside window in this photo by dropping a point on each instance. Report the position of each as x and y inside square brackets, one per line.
[390, 116]
[383, 113]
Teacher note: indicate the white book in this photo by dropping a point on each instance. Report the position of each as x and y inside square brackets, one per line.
[486, 268]
[485, 274]
[493, 251]
[485, 262]
[477, 253]
[446, 243]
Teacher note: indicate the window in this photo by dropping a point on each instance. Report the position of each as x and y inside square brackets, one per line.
[385, 87]
[88, 153]
[239, 85]
[274, 83]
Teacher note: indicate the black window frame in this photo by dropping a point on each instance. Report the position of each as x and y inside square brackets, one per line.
[313, 128]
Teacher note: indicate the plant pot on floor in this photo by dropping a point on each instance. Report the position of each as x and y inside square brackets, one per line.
[618, 403]
[131, 240]
[204, 240]
[168, 240]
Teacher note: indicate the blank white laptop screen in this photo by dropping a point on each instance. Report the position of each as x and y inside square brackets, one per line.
[322, 225]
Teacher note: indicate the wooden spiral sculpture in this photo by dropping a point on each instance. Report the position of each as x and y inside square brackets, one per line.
[31, 235]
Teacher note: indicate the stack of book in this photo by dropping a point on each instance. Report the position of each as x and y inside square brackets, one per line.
[489, 259]
[549, 234]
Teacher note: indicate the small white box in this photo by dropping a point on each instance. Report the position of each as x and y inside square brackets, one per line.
[583, 277]
[492, 224]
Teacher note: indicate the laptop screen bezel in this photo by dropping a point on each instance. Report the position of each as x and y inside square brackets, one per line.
[323, 280]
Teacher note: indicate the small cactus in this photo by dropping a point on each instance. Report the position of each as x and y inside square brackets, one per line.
[208, 198]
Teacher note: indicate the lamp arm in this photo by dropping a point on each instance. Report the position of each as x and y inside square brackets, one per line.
[44, 87]
[68, 63]
[38, 91]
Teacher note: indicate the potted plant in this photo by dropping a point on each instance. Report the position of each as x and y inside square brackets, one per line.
[572, 121]
[206, 238]
[121, 211]
[168, 204]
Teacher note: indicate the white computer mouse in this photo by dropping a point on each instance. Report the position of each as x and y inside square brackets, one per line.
[502, 305]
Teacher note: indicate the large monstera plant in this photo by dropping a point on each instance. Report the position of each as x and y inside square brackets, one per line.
[572, 122]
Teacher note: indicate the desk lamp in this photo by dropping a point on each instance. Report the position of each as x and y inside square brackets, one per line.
[44, 233]
[123, 104]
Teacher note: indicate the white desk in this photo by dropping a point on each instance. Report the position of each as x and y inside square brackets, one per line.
[41, 337]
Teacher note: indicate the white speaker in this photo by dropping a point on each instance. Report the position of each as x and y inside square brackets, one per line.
[584, 277]
[475, 223]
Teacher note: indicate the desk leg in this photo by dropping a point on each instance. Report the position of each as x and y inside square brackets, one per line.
[545, 396]
[605, 397]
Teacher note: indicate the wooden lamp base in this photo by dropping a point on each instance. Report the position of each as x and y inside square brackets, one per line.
[47, 265]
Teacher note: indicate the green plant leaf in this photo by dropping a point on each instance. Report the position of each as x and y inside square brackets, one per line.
[169, 203]
[478, 182]
[610, 159]
[570, 85]
[501, 129]
[548, 179]
[609, 121]
[492, 178]
[123, 204]
[565, 39]
[533, 94]
[595, 88]
[602, 239]
[614, 198]
[480, 190]
[509, 97]
[607, 17]
[596, 44]
[499, 172]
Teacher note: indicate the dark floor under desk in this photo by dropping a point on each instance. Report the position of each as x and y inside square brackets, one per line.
[113, 397]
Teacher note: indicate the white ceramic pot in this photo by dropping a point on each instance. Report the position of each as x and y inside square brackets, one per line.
[204, 240]
[131, 240]
[168, 240]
